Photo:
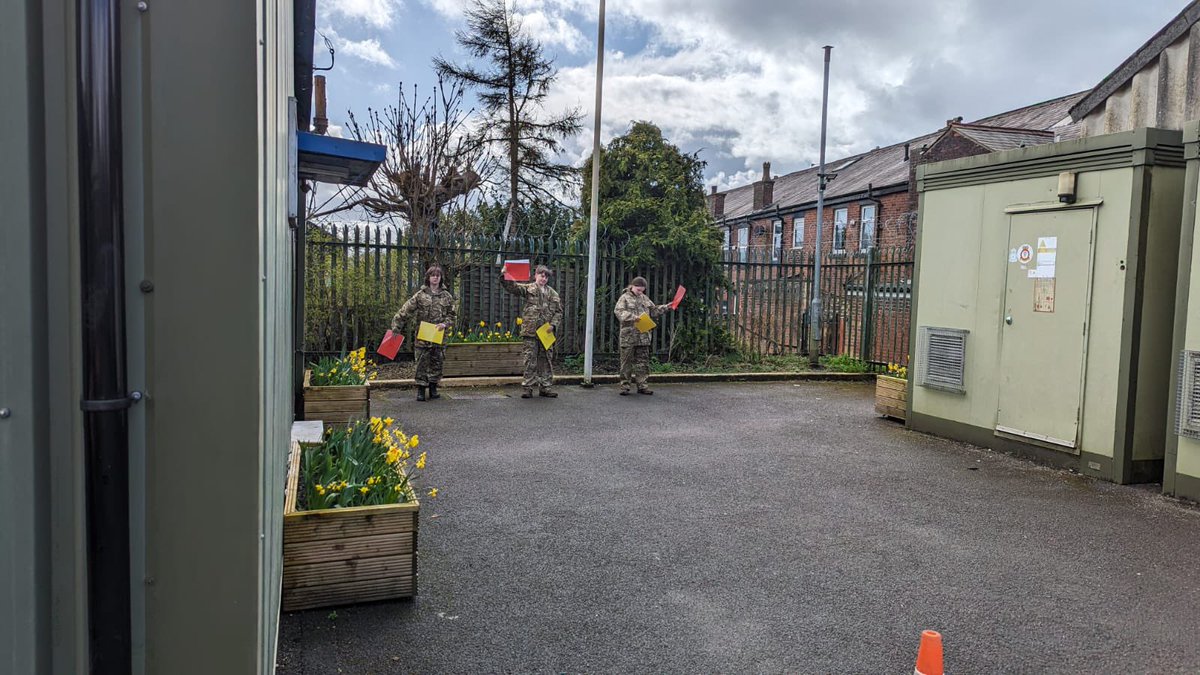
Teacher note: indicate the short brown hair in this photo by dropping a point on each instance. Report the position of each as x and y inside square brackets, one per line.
[640, 282]
[434, 268]
[542, 268]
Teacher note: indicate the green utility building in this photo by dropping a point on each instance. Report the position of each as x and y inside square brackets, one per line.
[1181, 476]
[1045, 296]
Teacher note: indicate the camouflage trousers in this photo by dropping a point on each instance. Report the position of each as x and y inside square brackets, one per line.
[635, 366]
[429, 359]
[538, 371]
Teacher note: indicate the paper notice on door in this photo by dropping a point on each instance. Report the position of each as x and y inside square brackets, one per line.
[1012, 255]
[1043, 295]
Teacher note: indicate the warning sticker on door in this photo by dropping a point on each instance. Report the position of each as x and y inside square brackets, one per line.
[1047, 256]
[1043, 294]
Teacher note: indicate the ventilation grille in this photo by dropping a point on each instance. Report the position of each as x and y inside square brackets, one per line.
[943, 359]
[1187, 398]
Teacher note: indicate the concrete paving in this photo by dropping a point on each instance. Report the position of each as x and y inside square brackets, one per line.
[766, 527]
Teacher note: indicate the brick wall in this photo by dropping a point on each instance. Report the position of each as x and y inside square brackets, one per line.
[891, 218]
[949, 146]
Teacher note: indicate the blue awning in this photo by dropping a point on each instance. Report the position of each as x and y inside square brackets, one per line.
[337, 160]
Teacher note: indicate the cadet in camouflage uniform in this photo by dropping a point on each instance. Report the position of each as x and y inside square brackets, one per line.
[541, 306]
[434, 304]
[635, 345]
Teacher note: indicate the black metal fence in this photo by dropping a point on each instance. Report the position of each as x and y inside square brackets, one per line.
[356, 279]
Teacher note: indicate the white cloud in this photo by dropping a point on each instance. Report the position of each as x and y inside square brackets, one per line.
[368, 50]
[377, 13]
[553, 30]
[741, 82]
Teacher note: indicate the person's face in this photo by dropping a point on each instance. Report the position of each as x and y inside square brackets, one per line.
[638, 290]
[542, 278]
[435, 279]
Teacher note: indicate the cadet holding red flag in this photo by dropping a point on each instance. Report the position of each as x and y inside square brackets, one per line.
[433, 304]
[542, 308]
[635, 342]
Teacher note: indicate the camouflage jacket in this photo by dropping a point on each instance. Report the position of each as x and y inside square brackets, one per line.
[629, 308]
[425, 305]
[541, 305]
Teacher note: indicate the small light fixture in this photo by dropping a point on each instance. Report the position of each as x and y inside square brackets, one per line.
[1066, 187]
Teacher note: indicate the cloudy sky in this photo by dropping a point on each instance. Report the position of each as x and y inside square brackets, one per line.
[740, 80]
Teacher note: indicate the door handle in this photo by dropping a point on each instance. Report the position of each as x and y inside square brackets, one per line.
[1008, 319]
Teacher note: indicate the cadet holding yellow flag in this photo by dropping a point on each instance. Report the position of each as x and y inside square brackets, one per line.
[635, 343]
[542, 306]
[433, 304]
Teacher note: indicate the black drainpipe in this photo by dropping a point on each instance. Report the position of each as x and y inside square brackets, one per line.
[105, 398]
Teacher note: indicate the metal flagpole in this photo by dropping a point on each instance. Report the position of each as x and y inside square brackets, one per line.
[590, 329]
[814, 332]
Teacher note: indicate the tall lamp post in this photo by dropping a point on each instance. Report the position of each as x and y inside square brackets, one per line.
[814, 311]
[590, 326]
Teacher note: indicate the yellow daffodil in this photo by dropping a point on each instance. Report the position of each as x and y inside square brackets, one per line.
[433, 493]
[421, 461]
[414, 441]
[497, 324]
[399, 488]
[364, 489]
[482, 324]
[387, 421]
[393, 455]
[519, 321]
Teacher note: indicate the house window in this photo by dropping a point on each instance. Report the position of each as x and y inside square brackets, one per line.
[798, 232]
[743, 243]
[777, 241]
[839, 229]
[866, 235]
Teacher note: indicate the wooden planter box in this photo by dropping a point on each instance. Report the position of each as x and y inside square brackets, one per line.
[335, 405]
[344, 556]
[891, 397]
[483, 358]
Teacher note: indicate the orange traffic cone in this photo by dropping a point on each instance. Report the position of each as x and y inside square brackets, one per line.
[929, 655]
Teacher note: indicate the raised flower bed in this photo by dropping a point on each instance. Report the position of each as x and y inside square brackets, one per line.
[351, 517]
[483, 350]
[336, 389]
[891, 392]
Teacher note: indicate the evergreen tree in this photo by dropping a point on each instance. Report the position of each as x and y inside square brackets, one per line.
[652, 207]
[512, 84]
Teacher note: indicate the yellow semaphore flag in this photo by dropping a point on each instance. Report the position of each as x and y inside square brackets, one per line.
[644, 323]
[544, 334]
[430, 333]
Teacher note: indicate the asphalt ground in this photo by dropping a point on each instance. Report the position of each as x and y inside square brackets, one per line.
[757, 527]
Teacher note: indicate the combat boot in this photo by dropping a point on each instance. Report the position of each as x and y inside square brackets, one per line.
[527, 393]
[646, 390]
[548, 393]
[433, 392]
[420, 393]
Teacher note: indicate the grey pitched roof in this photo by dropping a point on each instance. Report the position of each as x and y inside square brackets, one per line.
[886, 168]
[1000, 138]
[1164, 38]
[1037, 116]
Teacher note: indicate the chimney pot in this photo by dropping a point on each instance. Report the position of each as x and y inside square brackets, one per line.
[766, 171]
[714, 190]
[320, 121]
